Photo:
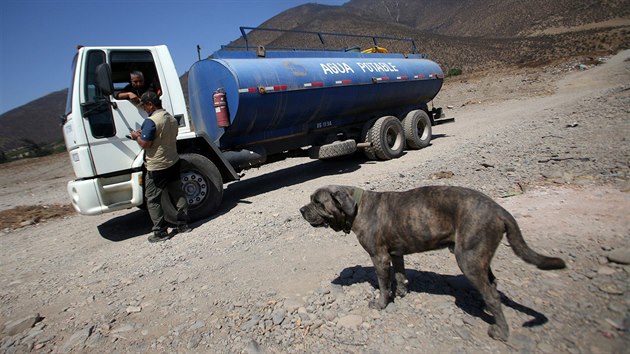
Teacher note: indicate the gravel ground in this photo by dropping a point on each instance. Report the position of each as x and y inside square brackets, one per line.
[549, 144]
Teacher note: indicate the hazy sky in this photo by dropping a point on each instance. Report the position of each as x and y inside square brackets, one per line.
[38, 37]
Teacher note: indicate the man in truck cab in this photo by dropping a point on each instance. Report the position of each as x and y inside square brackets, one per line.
[137, 86]
[158, 138]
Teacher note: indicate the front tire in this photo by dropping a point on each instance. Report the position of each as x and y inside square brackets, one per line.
[202, 185]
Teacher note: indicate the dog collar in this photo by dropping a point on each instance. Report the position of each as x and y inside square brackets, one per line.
[357, 194]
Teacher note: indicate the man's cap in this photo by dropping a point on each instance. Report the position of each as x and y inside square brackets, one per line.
[150, 96]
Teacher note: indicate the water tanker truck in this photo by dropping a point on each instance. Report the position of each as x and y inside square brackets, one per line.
[245, 107]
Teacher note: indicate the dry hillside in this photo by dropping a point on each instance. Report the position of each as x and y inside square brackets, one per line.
[471, 35]
[495, 18]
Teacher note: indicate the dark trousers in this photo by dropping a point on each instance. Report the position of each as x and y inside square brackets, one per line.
[156, 183]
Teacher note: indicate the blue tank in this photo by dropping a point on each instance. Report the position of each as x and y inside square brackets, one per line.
[298, 95]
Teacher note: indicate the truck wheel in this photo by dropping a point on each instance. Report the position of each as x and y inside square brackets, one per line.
[338, 148]
[203, 187]
[417, 129]
[387, 138]
[365, 138]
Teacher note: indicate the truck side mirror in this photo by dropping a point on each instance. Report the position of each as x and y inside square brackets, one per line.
[104, 79]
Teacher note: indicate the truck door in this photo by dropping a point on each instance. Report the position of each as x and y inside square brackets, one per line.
[108, 122]
[110, 119]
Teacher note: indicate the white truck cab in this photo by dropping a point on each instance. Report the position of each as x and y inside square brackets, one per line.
[107, 164]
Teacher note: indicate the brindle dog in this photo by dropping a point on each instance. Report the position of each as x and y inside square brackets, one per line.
[390, 225]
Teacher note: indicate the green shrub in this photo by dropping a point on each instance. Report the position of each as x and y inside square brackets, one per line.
[454, 72]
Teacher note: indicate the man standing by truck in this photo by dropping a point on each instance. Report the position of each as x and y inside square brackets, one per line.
[158, 138]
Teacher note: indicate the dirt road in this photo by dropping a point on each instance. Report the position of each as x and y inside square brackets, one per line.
[551, 145]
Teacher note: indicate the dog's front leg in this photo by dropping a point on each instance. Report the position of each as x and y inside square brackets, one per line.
[399, 275]
[382, 266]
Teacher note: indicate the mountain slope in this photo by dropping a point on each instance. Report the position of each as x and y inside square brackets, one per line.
[493, 18]
[38, 121]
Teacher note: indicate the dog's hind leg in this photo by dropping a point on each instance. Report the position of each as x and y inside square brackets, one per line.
[476, 267]
[399, 275]
[491, 278]
[382, 264]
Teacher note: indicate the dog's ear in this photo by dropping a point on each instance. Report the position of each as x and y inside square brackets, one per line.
[345, 202]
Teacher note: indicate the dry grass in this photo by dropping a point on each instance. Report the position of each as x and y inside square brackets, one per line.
[21, 216]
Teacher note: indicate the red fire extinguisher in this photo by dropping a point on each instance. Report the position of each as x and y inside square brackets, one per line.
[221, 108]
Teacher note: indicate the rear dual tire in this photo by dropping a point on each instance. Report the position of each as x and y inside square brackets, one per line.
[417, 129]
[387, 138]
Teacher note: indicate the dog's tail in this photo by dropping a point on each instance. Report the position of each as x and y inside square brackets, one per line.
[515, 238]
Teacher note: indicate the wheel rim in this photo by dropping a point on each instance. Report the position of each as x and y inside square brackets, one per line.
[422, 129]
[393, 138]
[195, 187]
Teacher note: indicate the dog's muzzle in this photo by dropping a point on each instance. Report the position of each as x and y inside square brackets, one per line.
[312, 217]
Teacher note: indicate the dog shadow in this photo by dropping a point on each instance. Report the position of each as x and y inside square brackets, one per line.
[466, 296]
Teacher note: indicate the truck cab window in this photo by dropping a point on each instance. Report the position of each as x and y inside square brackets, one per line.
[96, 106]
[95, 58]
[70, 91]
[125, 62]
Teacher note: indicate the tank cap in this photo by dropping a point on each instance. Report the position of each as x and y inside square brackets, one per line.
[261, 52]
